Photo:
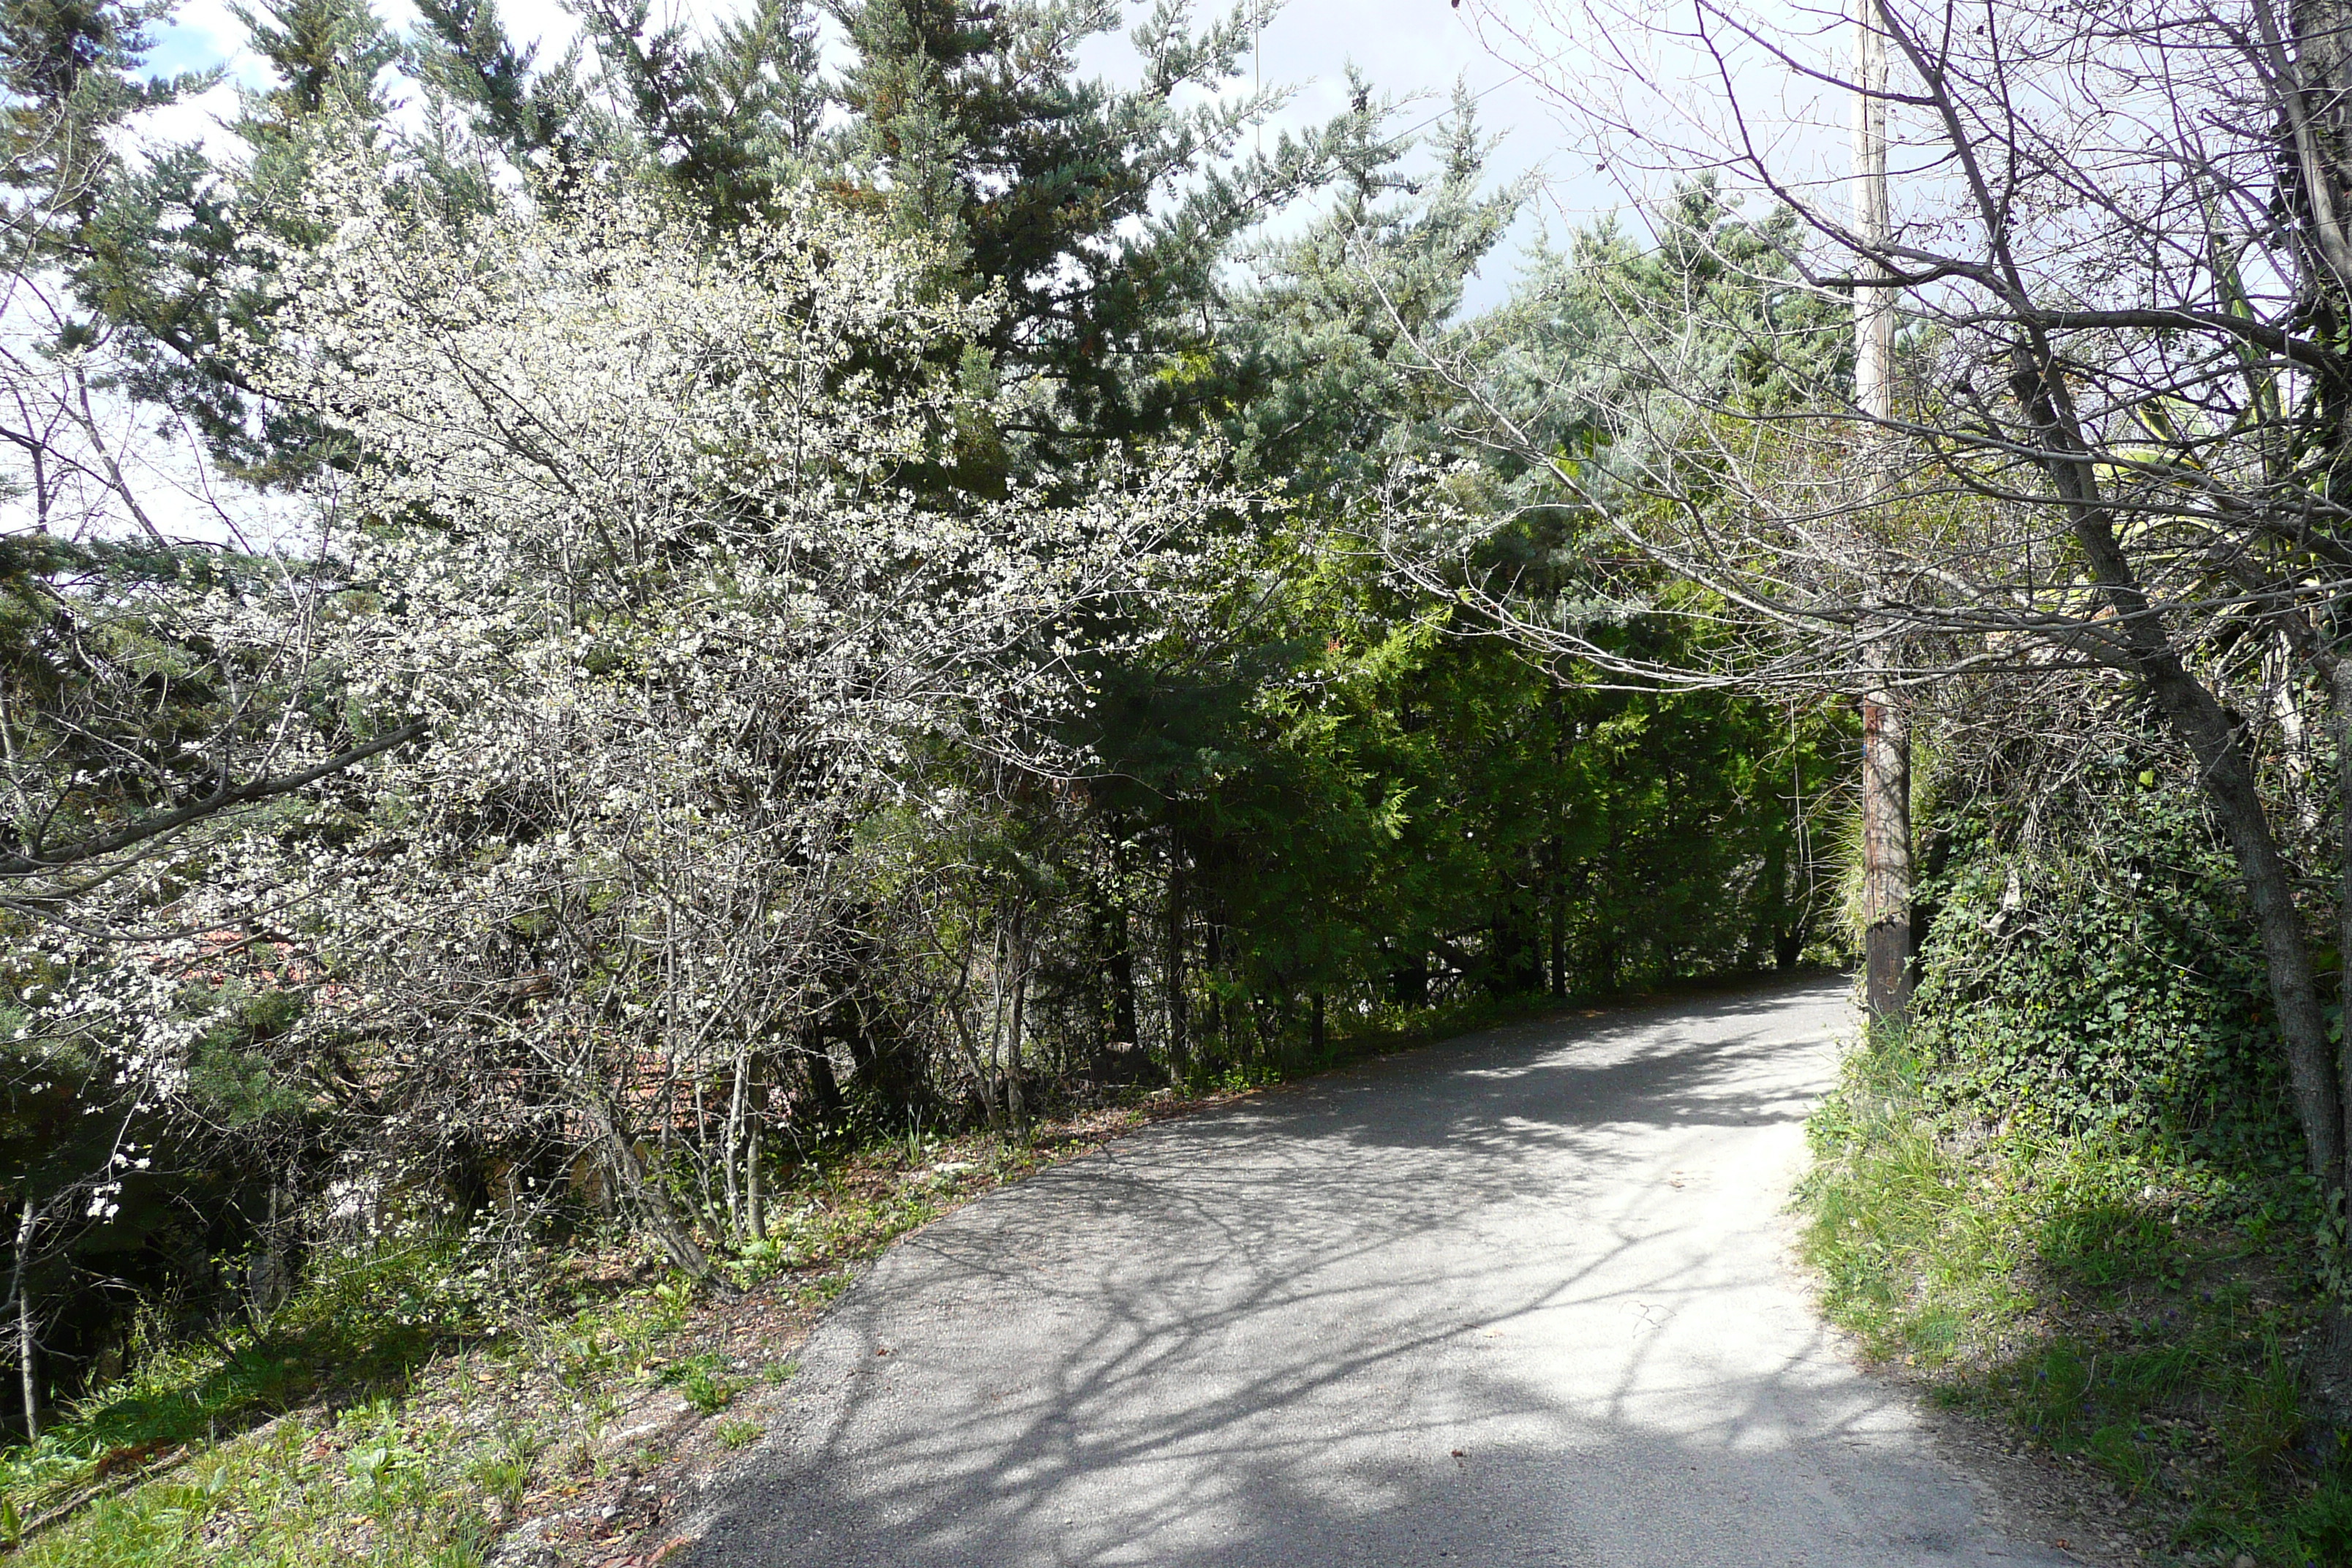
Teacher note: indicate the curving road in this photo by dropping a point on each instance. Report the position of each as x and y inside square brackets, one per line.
[1518, 1299]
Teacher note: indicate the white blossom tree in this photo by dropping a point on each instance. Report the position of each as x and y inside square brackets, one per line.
[644, 532]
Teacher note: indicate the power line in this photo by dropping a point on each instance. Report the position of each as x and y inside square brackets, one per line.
[1474, 97]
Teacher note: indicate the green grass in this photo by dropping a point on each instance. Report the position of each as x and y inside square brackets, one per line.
[232, 1441]
[369, 1483]
[409, 1398]
[307, 1443]
[384, 1414]
[2139, 1313]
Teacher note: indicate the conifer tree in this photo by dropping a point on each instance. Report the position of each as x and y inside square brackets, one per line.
[165, 257]
[539, 118]
[68, 77]
[1103, 215]
[723, 120]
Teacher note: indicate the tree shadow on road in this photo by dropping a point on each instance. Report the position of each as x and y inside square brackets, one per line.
[1261, 1337]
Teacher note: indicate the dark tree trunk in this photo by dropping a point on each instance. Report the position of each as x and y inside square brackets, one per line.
[1179, 1027]
[2317, 168]
[270, 1279]
[2229, 778]
[1514, 966]
[1556, 901]
[1113, 940]
[2224, 769]
[2340, 685]
[825, 1088]
[1776, 918]
[1120, 967]
[27, 1363]
[633, 1184]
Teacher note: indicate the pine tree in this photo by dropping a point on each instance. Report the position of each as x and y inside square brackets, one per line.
[165, 258]
[1103, 215]
[328, 55]
[725, 120]
[540, 118]
[69, 76]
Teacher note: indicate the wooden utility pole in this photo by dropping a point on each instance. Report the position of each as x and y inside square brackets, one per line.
[1886, 872]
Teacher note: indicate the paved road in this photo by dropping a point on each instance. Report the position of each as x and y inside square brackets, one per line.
[1517, 1298]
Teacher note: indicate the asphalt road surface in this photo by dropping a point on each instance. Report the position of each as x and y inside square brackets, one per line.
[1523, 1298]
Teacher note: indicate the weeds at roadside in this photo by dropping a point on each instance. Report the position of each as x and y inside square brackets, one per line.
[706, 1387]
[410, 1403]
[2141, 1316]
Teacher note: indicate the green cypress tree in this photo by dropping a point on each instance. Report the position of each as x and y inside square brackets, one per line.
[1104, 214]
[69, 76]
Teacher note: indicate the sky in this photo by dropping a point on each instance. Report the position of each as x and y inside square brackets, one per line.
[1406, 48]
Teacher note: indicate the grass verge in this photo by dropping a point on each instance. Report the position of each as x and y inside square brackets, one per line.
[2138, 1315]
[417, 1405]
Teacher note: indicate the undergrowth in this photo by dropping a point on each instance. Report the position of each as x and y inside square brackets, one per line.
[412, 1399]
[2117, 1301]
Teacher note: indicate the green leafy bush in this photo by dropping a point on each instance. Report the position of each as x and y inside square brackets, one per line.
[2069, 1193]
[2114, 988]
[2106, 1296]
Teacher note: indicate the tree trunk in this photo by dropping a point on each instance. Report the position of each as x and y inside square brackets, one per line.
[816, 1061]
[1556, 897]
[742, 1154]
[2318, 126]
[2340, 689]
[2318, 101]
[28, 1368]
[633, 1184]
[1886, 872]
[1016, 1109]
[2224, 769]
[270, 1280]
[1873, 301]
[1122, 978]
[1775, 916]
[730, 1186]
[2330, 1361]
[755, 1196]
[1000, 1000]
[2316, 164]
[1180, 1044]
[1119, 946]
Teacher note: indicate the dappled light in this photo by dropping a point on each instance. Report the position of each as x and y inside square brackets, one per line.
[983, 685]
[1518, 1298]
